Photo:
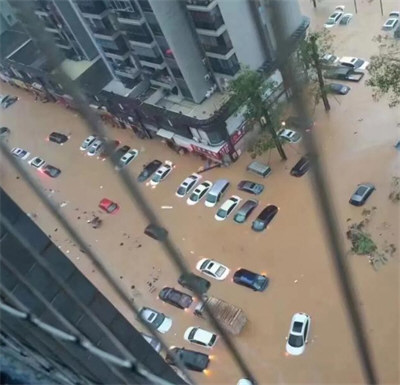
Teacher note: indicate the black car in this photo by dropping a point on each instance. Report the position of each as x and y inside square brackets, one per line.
[264, 218]
[156, 232]
[362, 193]
[301, 167]
[192, 281]
[344, 73]
[338, 89]
[56, 137]
[175, 297]
[250, 187]
[254, 281]
[245, 210]
[191, 359]
[148, 170]
[51, 171]
[118, 154]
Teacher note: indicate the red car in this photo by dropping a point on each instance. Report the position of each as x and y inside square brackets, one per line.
[109, 206]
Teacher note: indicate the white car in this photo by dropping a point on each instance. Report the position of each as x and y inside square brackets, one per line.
[212, 268]
[200, 336]
[392, 21]
[37, 162]
[199, 192]
[329, 60]
[340, 8]
[354, 63]
[158, 320]
[20, 153]
[161, 173]
[87, 143]
[127, 158]
[96, 148]
[290, 135]
[334, 18]
[187, 185]
[227, 207]
[298, 334]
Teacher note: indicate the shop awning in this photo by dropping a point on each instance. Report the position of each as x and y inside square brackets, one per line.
[165, 133]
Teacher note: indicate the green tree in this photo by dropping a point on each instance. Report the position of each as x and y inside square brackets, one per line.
[310, 51]
[384, 70]
[249, 93]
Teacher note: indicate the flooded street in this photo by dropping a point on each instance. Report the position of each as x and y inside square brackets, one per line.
[356, 140]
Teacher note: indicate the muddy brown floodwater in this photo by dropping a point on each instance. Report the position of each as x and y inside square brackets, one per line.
[356, 142]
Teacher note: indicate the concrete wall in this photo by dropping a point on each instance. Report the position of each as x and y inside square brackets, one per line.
[178, 32]
[243, 32]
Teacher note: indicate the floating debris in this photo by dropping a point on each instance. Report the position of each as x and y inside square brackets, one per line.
[167, 207]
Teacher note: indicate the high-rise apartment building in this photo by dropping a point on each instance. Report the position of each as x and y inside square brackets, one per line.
[167, 63]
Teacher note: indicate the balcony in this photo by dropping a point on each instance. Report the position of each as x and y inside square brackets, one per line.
[129, 18]
[201, 5]
[140, 40]
[226, 70]
[159, 78]
[219, 51]
[126, 71]
[93, 9]
[116, 53]
[104, 33]
[157, 63]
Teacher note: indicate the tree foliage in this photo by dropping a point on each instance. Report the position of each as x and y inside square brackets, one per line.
[249, 93]
[384, 70]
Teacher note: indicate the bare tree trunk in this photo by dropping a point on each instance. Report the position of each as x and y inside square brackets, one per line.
[317, 65]
[274, 135]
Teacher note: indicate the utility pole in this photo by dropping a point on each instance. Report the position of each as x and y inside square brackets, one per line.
[355, 6]
[266, 121]
[317, 64]
[380, 2]
[314, 3]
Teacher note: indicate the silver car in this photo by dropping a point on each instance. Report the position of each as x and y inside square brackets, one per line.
[362, 193]
[96, 147]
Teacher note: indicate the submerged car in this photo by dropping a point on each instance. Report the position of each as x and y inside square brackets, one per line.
[392, 21]
[186, 186]
[154, 342]
[247, 278]
[200, 336]
[199, 192]
[290, 135]
[354, 63]
[4, 131]
[96, 147]
[20, 153]
[127, 158]
[346, 18]
[301, 167]
[212, 268]
[175, 298]
[87, 143]
[7, 101]
[191, 359]
[344, 73]
[161, 173]
[58, 138]
[36, 162]
[298, 334]
[264, 218]
[244, 212]
[158, 320]
[109, 206]
[194, 283]
[333, 19]
[338, 89]
[227, 207]
[250, 187]
[362, 193]
[329, 60]
[148, 170]
[51, 171]
[108, 149]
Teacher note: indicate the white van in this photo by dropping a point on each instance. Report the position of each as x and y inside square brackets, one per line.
[216, 192]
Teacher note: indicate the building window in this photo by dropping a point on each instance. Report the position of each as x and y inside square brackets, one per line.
[226, 67]
[123, 5]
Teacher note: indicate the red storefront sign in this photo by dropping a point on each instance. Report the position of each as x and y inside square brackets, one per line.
[208, 153]
[237, 135]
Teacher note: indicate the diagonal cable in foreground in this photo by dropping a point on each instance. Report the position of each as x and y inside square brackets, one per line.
[47, 46]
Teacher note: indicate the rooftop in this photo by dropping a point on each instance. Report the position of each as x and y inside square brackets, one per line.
[74, 69]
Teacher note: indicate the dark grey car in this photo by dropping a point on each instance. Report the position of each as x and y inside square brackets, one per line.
[244, 212]
[338, 89]
[148, 170]
[362, 193]
[250, 187]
